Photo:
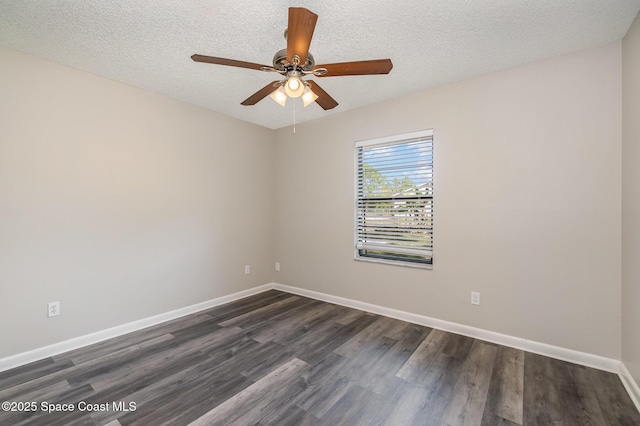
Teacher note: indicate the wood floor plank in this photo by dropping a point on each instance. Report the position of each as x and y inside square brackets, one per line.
[358, 407]
[277, 405]
[541, 403]
[26, 375]
[579, 402]
[16, 391]
[458, 346]
[248, 304]
[289, 415]
[574, 400]
[30, 368]
[103, 366]
[326, 384]
[399, 330]
[109, 346]
[470, 392]
[198, 386]
[316, 344]
[261, 314]
[232, 347]
[45, 393]
[267, 364]
[494, 420]
[374, 331]
[177, 377]
[350, 315]
[200, 395]
[251, 400]
[158, 360]
[90, 369]
[68, 396]
[409, 401]
[408, 338]
[417, 366]
[505, 398]
[144, 374]
[361, 370]
[363, 365]
[615, 403]
[279, 359]
[440, 383]
[302, 318]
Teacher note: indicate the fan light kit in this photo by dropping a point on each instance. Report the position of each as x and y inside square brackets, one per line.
[295, 62]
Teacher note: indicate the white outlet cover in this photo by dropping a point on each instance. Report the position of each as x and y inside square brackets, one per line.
[475, 298]
[53, 309]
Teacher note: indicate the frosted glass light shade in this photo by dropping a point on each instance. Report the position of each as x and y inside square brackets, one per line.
[294, 87]
[279, 96]
[308, 97]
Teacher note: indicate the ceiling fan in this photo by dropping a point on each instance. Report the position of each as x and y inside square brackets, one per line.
[296, 61]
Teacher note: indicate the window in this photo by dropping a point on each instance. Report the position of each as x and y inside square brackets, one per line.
[394, 199]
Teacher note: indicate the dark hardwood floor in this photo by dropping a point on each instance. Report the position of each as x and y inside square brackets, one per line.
[276, 358]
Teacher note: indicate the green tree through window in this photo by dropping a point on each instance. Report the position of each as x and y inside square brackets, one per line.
[394, 212]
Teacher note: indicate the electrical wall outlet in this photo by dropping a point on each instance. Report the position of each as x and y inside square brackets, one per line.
[53, 309]
[475, 298]
[247, 269]
[277, 266]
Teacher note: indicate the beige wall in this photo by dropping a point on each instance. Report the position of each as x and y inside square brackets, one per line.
[121, 204]
[527, 203]
[631, 200]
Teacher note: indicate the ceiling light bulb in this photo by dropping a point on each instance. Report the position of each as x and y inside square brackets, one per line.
[308, 97]
[294, 87]
[279, 96]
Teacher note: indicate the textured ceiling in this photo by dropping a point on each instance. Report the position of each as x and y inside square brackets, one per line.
[148, 44]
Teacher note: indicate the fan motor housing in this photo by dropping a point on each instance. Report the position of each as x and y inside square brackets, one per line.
[281, 64]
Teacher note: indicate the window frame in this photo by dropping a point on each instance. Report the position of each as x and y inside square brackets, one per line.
[405, 137]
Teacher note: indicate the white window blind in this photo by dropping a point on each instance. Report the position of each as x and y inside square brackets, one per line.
[394, 199]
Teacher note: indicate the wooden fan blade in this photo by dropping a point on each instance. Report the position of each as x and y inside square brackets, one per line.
[302, 22]
[376, 66]
[324, 100]
[260, 94]
[228, 62]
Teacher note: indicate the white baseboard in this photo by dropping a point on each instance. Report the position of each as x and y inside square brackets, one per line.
[630, 385]
[577, 357]
[570, 355]
[581, 358]
[89, 339]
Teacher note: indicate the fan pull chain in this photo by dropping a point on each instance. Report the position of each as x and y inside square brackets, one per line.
[294, 115]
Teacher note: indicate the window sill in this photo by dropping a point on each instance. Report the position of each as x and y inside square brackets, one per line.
[394, 262]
